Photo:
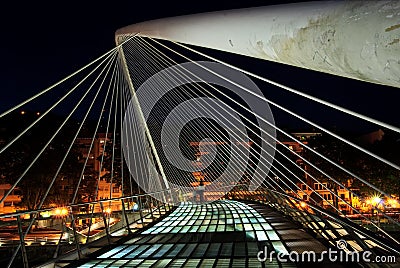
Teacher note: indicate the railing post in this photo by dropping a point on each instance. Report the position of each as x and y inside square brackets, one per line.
[140, 211]
[150, 207]
[59, 240]
[125, 217]
[22, 241]
[105, 223]
[75, 234]
[158, 207]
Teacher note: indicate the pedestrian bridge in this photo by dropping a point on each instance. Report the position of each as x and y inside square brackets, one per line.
[234, 233]
[162, 153]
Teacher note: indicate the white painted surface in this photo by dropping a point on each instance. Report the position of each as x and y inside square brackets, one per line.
[355, 39]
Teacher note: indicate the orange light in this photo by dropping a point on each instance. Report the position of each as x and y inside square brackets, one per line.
[303, 204]
[57, 211]
[61, 211]
[108, 210]
[22, 112]
[64, 211]
[375, 200]
[393, 202]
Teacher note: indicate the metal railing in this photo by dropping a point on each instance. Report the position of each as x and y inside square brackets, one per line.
[327, 226]
[46, 236]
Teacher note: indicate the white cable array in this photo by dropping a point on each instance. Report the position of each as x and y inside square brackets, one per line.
[338, 197]
[309, 122]
[314, 180]
[53, 136]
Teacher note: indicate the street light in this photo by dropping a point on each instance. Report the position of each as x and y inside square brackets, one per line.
[108, 210]
[375, 200]
[61, 212]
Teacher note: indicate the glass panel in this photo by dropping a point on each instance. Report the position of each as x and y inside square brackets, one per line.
[261, 236]
[150, 251]
[240, 250]
[213, 250]
[175, 250]
[188, 250]
[136, 252]
[207, 263]
[200, 250]
[124, 252]
[226, 250]
[192, 263]
[111, 252]
[163, 250]
[272, 235]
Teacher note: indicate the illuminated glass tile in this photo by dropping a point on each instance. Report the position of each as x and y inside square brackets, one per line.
[188, 250]
[192, 263]
[250, 236]
[150, 251]
[207, 263]
[158, 230]
[124, 252]
[266, 226]
[194, 228]
[254, 262]
[212, 228]
[133, 263]
[175, 250]
[118, 263]
[185, 229]
[272, 235]
[237, 220]
[176, 230]
[162, 262]
[213, 250]
[136, 252]
[261, 236]
[245, 220]
[221, 228]
[202, 229]
[224, 263]
[248, 227]
[279, 247]
[200, 250]
[147, 263]
[163, 250]
[111, 252]
[104, 263]
[238, 263]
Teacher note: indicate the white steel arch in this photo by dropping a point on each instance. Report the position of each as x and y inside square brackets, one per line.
[354, 39]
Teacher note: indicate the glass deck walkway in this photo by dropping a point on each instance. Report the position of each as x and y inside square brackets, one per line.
[225, 233]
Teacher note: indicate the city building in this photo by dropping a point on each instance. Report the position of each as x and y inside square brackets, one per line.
[13, 200]
[83, 145]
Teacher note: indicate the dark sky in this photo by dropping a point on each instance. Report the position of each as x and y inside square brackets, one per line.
[42, 43]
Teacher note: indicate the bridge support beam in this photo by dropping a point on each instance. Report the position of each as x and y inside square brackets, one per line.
[354, 39]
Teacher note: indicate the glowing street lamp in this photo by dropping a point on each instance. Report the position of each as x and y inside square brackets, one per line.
[61, 212]
[108, 210]
[375, 200]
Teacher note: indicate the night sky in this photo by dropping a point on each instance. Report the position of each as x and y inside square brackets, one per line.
[43, 43]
